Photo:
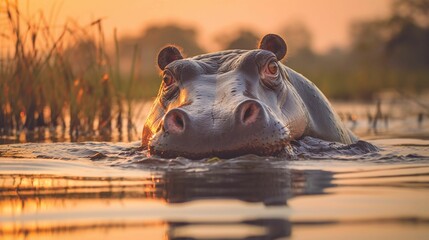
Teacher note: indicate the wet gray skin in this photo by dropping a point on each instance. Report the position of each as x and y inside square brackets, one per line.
[236, 102]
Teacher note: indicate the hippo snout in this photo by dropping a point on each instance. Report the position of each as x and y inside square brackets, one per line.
[247, 113]
[246, 129]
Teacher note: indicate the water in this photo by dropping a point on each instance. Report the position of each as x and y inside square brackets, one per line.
[319, 190]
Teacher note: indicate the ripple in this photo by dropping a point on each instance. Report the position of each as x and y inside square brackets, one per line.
[130, 155]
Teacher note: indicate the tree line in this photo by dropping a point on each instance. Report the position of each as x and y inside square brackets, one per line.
[387, 53]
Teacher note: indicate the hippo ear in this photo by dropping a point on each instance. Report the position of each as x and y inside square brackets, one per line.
[275, 44]
[167, 55]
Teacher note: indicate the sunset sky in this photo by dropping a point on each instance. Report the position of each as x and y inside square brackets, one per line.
[328, 20]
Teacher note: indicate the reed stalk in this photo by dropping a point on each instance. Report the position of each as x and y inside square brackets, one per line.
[59, 78]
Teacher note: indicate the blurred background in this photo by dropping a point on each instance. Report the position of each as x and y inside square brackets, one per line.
[85, 70]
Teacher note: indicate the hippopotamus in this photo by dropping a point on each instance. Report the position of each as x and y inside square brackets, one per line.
[236, 102]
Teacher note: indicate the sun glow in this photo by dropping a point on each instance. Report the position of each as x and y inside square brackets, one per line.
[222, 17]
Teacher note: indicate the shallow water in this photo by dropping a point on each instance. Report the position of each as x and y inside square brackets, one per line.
[100, 190]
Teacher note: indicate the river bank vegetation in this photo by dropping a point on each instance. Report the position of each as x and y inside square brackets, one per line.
[57, 76]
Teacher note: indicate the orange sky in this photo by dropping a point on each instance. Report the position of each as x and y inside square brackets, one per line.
[328, 20]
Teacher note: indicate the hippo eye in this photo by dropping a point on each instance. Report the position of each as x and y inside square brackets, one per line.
[168, 79]
[273, 68]
[270, 75]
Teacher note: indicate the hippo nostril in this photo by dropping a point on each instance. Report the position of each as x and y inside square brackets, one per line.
[174, 121]
[249, 112]
[179, 121]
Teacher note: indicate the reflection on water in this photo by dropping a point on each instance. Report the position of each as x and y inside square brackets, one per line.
[131, 131]
[28, 202]
[241, 199]
[61, 135]
[269, 186]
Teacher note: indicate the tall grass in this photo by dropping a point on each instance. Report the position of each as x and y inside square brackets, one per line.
[60, 77]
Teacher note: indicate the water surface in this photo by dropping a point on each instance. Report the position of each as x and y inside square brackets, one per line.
[101, 190]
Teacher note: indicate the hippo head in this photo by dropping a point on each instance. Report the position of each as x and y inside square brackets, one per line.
[224, 104]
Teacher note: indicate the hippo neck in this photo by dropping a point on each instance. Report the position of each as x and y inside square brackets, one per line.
[324, 123]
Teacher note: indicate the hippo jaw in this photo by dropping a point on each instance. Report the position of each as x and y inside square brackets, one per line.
[260, 149]
[198, 148]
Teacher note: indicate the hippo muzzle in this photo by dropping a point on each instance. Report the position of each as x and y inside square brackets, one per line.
[248, 129]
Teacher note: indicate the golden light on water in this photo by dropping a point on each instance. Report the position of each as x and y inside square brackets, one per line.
[176, 204]
[31, 194]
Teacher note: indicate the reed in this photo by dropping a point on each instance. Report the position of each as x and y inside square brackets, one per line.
[60, 78]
